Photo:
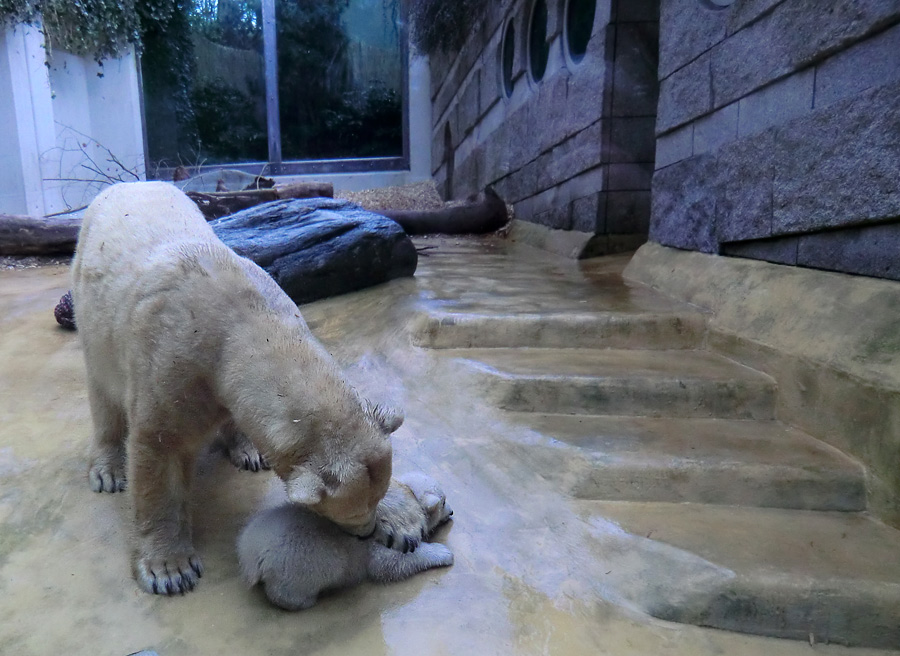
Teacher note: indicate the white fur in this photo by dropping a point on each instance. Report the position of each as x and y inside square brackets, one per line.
[297, 555]
[181, 335]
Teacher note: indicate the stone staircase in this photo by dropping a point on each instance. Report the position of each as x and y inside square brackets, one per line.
[639, 424]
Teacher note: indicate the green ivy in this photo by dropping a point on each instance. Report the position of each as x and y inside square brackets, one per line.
[98, 28]
[444, 25]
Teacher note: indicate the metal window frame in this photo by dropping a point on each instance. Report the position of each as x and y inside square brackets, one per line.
[275, 165]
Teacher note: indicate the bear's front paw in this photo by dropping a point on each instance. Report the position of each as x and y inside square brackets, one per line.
[176, 574]
[104, 476]
[238, 448]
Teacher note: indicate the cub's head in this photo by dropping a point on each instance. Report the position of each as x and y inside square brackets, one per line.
[430, 496]
[346, 477]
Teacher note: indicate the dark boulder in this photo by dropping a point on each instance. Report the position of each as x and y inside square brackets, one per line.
[319, 247]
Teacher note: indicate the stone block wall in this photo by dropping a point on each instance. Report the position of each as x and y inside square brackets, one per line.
[778, 132]
[573, 151]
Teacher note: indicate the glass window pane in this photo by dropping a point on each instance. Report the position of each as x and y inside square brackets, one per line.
[204, 86]
[538, 48]
[340, 75]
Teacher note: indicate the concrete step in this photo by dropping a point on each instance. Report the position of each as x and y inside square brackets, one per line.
[620, 382]
[455, 329]
[717, 461]
[822, 577]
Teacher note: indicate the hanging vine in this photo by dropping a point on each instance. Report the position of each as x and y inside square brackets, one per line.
[100, 29]
[443, 25]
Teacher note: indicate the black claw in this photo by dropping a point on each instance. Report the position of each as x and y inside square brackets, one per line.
[390, 540]
[155, 589]
[407, 545]
[169, 589]
[423, 534]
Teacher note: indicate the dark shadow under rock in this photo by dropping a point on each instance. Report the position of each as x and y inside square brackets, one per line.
[319, 247]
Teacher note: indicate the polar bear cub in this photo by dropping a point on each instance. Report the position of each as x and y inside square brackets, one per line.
[182, 336]
[297, 555]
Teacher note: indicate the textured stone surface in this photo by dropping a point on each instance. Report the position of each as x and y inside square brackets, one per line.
[316, 248]
[744, 189]
[688, 28]
[589, 93]
[579, 153]
[797, 33]
[469, 104]
[781, 250]
[549, 111]
[627, 212]
[776, 103]
[683, 210]
[636, 89]
[466, 176]
[684, 95]
[870, 63]
[632, 139]
[716, 129]
[629, 177]
[745, 12]
[628, 11]
[588, 212]
[549, 148]
[869, 251]
[675, 146]
[839, 166]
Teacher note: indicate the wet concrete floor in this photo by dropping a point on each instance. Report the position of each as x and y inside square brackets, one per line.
[528, 576]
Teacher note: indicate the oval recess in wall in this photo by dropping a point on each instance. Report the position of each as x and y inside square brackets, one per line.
[507, 58]
[578, 27]
[538, 48]
[716, 4]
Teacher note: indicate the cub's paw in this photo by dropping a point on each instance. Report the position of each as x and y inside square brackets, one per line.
[436, 554]
[176, 574]
[106, 476]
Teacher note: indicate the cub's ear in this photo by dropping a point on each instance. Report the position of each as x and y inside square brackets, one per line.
[388, 419]
[430, 502]
[305, 487]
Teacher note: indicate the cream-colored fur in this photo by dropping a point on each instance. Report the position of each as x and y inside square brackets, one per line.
[181, 336]
[296, 555]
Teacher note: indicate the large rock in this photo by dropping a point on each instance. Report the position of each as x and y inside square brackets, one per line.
[319, 247]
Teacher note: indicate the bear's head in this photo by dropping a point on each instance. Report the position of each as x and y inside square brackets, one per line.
[345, 480]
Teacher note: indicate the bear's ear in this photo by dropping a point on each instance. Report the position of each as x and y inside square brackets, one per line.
[430, 502]
[388, 419]
[305, 487]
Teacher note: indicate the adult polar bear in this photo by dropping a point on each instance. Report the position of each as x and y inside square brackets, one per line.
[181, 336]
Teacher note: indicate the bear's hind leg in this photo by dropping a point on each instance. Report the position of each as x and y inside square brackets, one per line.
[107, 468]
[387, 565]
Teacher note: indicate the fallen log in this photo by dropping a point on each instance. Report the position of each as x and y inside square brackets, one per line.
[216, 204]
[28, 235]
[482, 213]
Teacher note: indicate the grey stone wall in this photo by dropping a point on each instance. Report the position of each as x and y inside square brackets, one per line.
[574, 151]
[778, 132]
